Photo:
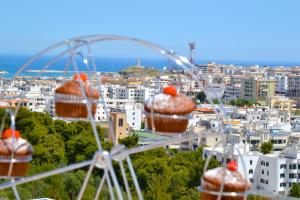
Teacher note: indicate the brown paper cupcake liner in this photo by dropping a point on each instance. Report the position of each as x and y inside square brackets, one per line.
[18, 169]
[211, 192]
[167, 123]
[73, 106]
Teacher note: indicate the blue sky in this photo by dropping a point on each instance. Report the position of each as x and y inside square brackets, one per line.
[231, 29]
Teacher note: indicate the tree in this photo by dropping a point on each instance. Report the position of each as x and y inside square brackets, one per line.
[201, 96]
[296, 112]
[266, 147]
[130, 141]
[216, 101]
[81, 147]
[295, 190]
[257, 197]
[242, 102]
[162, 173]
[143, 125]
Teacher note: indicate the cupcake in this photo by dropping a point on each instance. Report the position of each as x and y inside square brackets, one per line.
[233, 182]
[14, 148]
[69, 99]
[169, 111]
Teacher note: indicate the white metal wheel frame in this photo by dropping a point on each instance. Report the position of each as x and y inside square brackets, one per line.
[103, 159]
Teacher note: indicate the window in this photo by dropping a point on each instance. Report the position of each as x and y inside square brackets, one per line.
[250, 171]
[267, 164]
[262, 181]
[262, 172]
[268, 173]
[282, 175]
[292, 176]
[262, 163]
[283, 166]
[267, 182]
[293, 166]
[250, 162]
[282, 184]
[120, 122]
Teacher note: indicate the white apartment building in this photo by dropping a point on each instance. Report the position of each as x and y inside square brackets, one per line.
[160, 82]
[273, 173]
[232, 92]
[214, 91]
[231, 70]
[277, 172]
[143, 93]
[134, 116]
[188, 85]
[37, 101]
[132, 109]
[139, 94]
[246, 160]
[111, 105]
[281, 85]
[293, 85]
[295, 123]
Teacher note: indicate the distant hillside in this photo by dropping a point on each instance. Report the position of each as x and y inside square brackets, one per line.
[141, 71]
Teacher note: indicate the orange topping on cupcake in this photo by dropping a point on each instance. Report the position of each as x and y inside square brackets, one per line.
[232, 165]
[8, 133]
[82, 76]
[170, 90]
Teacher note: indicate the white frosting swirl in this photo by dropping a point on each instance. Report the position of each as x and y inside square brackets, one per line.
[159, 101]
[230, 178]
[18, 144]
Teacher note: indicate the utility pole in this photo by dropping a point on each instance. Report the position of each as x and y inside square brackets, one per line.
[192, 46]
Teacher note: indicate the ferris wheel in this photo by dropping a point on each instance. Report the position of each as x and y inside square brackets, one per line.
[76, 100]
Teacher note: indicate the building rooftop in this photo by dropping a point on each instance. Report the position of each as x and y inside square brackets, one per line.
[148, 135]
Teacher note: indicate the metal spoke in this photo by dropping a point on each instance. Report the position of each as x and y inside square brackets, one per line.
[101, 185]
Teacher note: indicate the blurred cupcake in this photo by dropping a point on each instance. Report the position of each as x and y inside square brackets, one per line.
[15, 152]
[233, 182]
[169, 111]
[69, 99]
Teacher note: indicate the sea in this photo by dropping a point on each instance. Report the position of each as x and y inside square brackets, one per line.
[10, 64]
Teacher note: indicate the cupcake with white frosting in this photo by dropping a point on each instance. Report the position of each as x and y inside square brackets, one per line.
[169, 111]
[232, 181]
[70, 101]
[15, 154]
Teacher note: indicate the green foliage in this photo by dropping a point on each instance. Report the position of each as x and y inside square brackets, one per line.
[266, 147]
[143, 125]
[257, 197]
[296, 112]
[162, 173]
[216, 101]
[140, 71]
[242, 102]
[201, 96]
[164, 177]
[130, 141]
[295, 190]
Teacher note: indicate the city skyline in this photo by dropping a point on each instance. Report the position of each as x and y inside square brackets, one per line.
[229, 30]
